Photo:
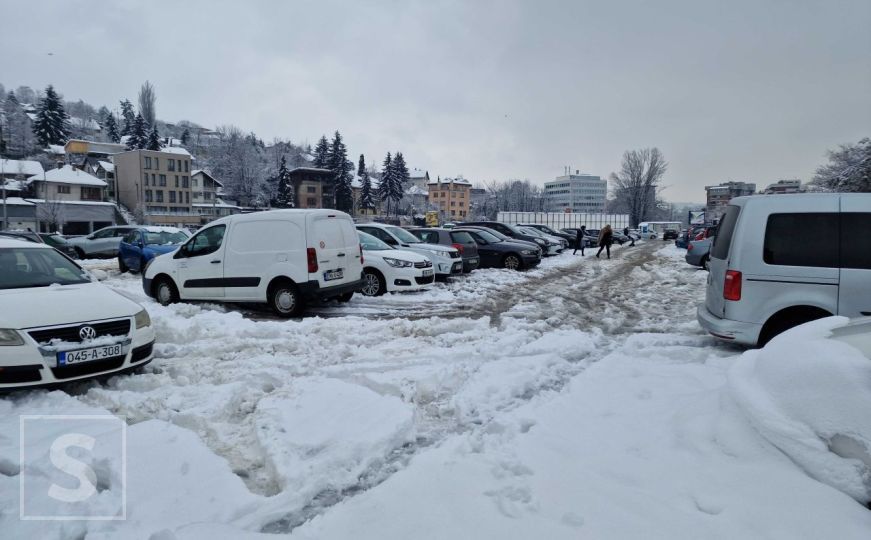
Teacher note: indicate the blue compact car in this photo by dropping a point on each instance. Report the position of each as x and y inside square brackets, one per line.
[145, 243]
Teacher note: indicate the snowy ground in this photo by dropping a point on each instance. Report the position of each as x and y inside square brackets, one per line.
[576, 399]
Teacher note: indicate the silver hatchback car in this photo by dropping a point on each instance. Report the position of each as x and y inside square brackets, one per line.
[782, 260]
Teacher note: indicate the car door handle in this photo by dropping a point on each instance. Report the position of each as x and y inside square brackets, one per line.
[216, 262]
[340, 255]
[866, 313]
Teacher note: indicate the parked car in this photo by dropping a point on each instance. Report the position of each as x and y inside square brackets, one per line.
[143, 244]
[670, 234]
[568, 237]
[511, 231]
[589, 241]
[683, 240]
[59, 325]
[778, 261]
[461, 241]
[555, 245]
[101, 243]
[503, 252]
[283, 258]
[387, 269]
[446, 260]
[620, 238]
[699, 252]
[59, 243]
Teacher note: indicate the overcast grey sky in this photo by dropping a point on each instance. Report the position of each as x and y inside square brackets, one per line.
[728, 90]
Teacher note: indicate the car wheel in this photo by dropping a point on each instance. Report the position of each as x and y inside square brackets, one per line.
[285, 300]
[511, 262]
[80, 252]
[121, 266]
[373, 283]
[165, 292]
[345, 297]
[705, 262]
[142, 263]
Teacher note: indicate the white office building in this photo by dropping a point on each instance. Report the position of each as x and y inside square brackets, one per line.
[576, 193]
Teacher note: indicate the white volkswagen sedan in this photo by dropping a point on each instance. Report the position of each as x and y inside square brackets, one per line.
[58, 325]
[386, 269]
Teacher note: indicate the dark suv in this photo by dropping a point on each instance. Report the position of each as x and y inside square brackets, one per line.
[511, 231]
[462, 241]
[498, 251]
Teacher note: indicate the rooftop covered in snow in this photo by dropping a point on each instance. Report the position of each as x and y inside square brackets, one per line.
[68, 175]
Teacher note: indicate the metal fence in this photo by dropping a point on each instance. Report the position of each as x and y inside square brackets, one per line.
[559, 220]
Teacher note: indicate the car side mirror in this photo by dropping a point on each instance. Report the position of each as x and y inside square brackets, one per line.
[391, 241]
[140, 244]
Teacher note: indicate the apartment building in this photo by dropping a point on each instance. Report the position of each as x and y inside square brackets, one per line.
[206, 198]
[70, 201]
[719, 196]
[309, 183]
[792, 185]
[452, 197]
[576, 193]
[66, 183]
[157, 184]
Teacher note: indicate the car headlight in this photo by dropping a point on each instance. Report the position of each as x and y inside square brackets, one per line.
[9, 337]
[398, 263]
[529, 252]
[142, 319]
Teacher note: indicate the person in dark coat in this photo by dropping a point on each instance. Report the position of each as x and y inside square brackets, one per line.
[606, 237]
[579, 241]
[626, 234]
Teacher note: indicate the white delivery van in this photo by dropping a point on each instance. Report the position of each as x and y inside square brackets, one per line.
[778, 261]
[281, 257]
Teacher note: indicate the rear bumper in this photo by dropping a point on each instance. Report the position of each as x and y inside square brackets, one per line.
[471, 264]
[726, 329]
[312, 290]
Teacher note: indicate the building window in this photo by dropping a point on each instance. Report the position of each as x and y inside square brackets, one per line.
[453, 203]
[207, 195]
[194, 182]
[179, 164]
[187, 197]
[312, 202]
[159, 195]
[186, 165]
[153, 179]
[311, 189]
[145, 178]
[162, 180]
[172, 196]
[185, 181]
[63, 189]
[170, 165]
[91, 194]
[148, 195]
[147, 162]
[176, 180]
[157, 163]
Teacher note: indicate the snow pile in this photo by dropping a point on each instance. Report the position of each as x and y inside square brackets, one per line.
[811, 398]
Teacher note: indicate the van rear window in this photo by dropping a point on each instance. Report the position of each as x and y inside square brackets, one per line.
[856, 240]
[811, 240]
[720, 248]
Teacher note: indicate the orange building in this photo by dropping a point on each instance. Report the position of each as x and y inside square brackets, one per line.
[451, 196]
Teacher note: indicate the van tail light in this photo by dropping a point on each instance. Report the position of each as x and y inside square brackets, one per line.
[458, 247]
[690, 247]
[732, 286]
[361, 253]
[312, 260]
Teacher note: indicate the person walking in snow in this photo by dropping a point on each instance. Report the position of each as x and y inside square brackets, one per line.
[626, 234]
[579, 241]
[606, 236]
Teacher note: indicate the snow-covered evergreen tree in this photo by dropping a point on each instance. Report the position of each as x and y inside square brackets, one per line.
[341, 168]
[367, 197]
[128, 116]
[385, 186]
[284, 197]
[51, 125]
[153, 140]
[111, 128]
[401, 178]
[848, 169]
[17, 131]
[322, 153]
[138, 138]
[185, 136]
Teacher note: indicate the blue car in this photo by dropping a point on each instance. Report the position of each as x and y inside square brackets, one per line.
[145, 243]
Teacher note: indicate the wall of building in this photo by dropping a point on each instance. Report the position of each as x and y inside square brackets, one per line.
[452, 199]
[577, 193]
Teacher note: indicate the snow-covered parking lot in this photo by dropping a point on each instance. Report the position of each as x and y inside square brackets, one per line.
[578, 399]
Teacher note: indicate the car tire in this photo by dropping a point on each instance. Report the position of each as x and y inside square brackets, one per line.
[705, 263]
[165, 291]
[121, 266]
[345, 297]
[512, 262]
[285, 299]
[142, 264]
[80, 252]
[374, 283]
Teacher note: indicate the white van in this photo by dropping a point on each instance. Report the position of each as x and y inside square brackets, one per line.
[280, 257]
[782, 260]
[654, 229]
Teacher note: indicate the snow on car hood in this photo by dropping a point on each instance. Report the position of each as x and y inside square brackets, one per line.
[438, 248]
[56, 304]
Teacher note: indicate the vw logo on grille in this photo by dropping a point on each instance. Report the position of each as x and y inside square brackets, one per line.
[87, 332]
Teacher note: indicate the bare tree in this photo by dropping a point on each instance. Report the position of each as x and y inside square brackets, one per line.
[147, 99]
[637, 184]
[53, 212]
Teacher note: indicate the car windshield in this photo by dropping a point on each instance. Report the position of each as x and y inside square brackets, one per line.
[370, 243]
[497, 234]
[488, 236]
[162, 238]
[37, 267]
[404, 236]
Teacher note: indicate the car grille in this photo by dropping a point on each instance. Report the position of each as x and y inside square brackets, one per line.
[455, 255]
[88, 368]
[424, 264]
[424, 280]
[119, 327]
[20, 374]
